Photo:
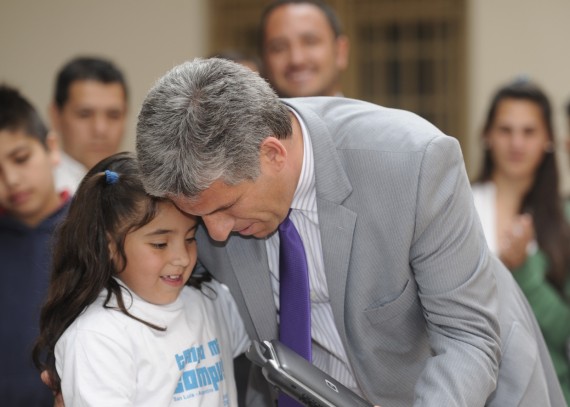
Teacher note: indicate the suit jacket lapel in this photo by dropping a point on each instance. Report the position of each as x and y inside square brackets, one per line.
[254, 280]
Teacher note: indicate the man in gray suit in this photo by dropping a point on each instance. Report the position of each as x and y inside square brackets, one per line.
[408, 307]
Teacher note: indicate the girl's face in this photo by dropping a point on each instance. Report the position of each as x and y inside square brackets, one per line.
[160, 255]
[517, 139]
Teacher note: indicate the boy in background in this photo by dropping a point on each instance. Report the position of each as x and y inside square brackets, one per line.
[30, 209]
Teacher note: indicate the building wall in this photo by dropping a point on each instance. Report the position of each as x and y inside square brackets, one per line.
[143, 37]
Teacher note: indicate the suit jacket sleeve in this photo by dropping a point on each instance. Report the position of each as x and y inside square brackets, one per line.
[456, 284]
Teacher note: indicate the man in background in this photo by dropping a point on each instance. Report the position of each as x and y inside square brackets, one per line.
[88, 112]
[303, 48]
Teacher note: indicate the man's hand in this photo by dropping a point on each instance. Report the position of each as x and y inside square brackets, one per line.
[58, 398]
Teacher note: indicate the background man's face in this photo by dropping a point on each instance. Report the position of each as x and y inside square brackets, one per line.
[92, 121]
[302, 57]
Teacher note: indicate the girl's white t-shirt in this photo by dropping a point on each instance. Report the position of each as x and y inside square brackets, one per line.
[106, 358]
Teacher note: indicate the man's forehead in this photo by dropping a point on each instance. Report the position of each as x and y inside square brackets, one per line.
[94, 92]
[208, 201]
[186, 204]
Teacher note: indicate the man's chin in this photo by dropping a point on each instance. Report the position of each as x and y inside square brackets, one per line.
[258, 234]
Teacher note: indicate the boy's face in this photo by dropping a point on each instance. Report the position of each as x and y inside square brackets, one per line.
[27, 190]
[160, 255]
[92, 121]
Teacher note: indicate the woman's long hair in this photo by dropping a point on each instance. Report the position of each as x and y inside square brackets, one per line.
[102, 211]
[543, 200]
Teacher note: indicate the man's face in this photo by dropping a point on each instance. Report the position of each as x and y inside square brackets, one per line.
[302, 57]
[27, 190]
[249, 208]
[92, 121]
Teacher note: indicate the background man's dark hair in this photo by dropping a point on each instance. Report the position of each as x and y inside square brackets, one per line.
[86, 68]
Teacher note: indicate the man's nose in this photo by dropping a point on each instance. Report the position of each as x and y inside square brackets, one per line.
[100, 124]
[219, 226]
[296, 55]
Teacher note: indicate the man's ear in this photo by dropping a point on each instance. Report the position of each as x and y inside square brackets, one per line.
[273, 153]
[52, 143]
[342, 52]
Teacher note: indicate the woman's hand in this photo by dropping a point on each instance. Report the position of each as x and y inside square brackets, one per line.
[513, 244]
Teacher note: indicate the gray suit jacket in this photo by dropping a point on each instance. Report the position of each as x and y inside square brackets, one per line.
[413, 288]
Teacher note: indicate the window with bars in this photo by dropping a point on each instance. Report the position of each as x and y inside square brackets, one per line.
[407, 54]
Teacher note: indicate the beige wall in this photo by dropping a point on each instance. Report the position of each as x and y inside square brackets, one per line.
[144, 38]
[511, 37]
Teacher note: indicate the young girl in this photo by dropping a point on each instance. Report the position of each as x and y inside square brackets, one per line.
[520, 207]
[120, 326]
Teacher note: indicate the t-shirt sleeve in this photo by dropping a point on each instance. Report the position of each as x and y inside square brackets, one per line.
[96, 369]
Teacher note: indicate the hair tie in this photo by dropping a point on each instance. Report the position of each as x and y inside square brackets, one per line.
[111, 177]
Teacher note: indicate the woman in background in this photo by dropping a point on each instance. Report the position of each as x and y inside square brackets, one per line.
[518, 200]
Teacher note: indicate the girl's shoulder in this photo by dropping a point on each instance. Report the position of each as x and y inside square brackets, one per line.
[212, 292]
[213, 297]
[100, 318]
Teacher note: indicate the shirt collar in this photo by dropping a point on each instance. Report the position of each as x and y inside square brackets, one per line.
[303, 199]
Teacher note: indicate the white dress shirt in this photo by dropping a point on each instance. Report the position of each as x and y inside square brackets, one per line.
[328, 351]
[68, 174]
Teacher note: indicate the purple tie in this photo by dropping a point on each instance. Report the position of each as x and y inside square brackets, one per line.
[294, 302]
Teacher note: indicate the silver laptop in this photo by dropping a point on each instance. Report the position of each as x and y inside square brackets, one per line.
[295, 376]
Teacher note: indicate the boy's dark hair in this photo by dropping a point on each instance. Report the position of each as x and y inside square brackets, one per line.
[82, 262]
[327, 10]
[86, 68]
[18, 114]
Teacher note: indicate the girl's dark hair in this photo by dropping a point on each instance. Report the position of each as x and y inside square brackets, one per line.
[100, 212]
[543, 201]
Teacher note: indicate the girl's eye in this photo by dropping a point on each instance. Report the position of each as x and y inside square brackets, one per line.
[190, 240]
[158, 245]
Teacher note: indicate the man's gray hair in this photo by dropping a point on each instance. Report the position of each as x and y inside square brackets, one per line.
[203, 121]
